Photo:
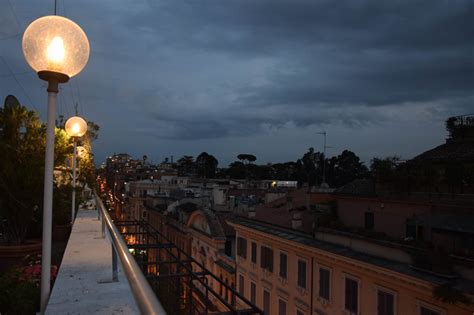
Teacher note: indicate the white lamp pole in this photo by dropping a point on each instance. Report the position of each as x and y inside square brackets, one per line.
[74, 165]
[57, 49]
[75, 127]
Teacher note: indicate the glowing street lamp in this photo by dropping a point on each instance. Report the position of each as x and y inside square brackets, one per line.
[75, 127]
[57, 49]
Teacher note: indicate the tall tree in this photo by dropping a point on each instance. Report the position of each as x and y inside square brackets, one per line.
[186, 165]
[22, 142]
[206, 165]
[346, 167]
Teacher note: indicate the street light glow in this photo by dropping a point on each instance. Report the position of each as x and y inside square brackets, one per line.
[76, 126]
[56, 52]
[57, 44]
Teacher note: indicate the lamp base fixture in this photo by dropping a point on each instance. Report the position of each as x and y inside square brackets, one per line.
[53, 78]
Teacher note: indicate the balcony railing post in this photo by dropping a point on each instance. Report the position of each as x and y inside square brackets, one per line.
[103, 226]
[145, 298]
[114, 264]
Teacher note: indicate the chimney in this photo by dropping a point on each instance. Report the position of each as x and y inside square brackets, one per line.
[296, 221]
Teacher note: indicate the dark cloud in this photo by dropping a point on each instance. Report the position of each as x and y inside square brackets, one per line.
[210, 72]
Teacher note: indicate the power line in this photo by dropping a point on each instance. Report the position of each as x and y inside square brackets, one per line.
[18, 82]
[17, 73]
[14, 15]
[10, 36]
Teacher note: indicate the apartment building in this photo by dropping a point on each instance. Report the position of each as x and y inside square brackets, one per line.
[284, 271]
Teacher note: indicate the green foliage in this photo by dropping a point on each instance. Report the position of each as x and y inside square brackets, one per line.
[22, 147]
[206, 165]
[384, 169]
[186, 166]
[22, 143]
[247, 157]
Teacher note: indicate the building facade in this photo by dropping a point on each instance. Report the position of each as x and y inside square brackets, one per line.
[288, 272]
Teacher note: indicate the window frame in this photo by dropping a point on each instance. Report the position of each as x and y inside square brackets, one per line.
[385, 290]
[253, 293]
[269, 301]
[357, 280]
[298, 259]
[264, 258]
[369, 217]
[280, 299]
[330, 283]
[252, 243]
[286, 265]
[242, 242]
[241, 284]
[431, 307]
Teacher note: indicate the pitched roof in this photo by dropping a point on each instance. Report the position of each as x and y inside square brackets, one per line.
[358, 187]
[451, 151]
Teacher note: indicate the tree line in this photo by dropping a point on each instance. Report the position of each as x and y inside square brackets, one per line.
[338, 170]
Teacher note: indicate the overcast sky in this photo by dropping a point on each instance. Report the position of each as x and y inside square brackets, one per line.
[263, 77]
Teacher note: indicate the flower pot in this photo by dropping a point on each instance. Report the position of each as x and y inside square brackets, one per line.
[14, 254]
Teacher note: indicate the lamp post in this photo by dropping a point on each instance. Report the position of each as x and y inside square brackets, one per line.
[57, 49]
[75, 127]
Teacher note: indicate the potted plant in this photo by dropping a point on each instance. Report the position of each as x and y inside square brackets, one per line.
[20, 287]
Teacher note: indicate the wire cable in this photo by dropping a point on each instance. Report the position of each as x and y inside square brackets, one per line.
[19, 84]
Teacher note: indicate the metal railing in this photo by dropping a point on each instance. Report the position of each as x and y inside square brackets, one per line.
[142, 292]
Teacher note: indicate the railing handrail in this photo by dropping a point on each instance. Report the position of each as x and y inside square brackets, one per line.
[144, 296]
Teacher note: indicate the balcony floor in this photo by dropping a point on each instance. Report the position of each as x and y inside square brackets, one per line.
[87, 262]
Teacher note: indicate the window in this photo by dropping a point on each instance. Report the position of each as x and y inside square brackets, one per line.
[427, 311]
[253, 293]
[302, 274]
[283, 266]
[241, 285]
[228, 247]
[281, 307]
[242, 247]
[226, 290]
[351, 295]
[221, 286]
[266, 258]
[254, 253]
[232, 293]
[324, 283]
[369, 220]
[266, 302]
[385, 303]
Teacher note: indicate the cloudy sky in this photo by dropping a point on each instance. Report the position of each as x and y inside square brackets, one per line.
[263, 77]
